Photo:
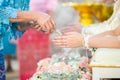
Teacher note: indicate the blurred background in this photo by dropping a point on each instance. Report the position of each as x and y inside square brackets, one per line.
[21, 63]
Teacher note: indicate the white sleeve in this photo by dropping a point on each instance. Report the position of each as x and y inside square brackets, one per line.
[95, 28]
[110, 24]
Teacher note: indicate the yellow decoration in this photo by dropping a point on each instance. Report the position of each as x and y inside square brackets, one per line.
[91, 12]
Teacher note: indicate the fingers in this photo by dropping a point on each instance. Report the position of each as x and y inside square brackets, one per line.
[39, 29]
[49, 26]
[70, 33]
[69, 40]
[65, 30]
[61, 41]
[53, 25]
[46, 22]
[36, 27]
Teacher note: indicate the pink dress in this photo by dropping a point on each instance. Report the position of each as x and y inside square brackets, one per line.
[36, 44]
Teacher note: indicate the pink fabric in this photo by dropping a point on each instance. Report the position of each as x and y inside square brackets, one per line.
[32, 47]
[42, 5]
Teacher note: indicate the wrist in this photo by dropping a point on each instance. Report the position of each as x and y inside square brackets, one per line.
[83, 30]
[86, 41]
[28, 16]
[41, 16]
[35, 16]
[83, 41]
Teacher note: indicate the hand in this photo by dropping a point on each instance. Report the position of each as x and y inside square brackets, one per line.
[42, 19]
[73, 27]
[45, 23]
[37, 28]
[69, 40]
[23, 26]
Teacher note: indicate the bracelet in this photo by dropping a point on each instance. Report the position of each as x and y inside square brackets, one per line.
[83, 30]
[86, 40]
[83, 41]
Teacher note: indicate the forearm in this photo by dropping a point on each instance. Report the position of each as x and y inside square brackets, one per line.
[115, 32]
[25, 16]
[108, 33]
[107, 39]
[104, 42]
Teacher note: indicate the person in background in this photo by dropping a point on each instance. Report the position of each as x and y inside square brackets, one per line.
[13, 11]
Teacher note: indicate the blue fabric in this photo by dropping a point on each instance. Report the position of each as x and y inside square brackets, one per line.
[8, 9]
[2, 68]
[9, 48]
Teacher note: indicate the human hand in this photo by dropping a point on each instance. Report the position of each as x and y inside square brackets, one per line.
[23, 26]
[26, 25]
[73, 27]
[69, 40]
[38, 28]
[45, 23]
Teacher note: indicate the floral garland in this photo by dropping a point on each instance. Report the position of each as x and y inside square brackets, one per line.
[63, 67]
